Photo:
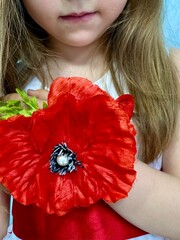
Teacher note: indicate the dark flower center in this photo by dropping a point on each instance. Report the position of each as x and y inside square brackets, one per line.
[63, 160]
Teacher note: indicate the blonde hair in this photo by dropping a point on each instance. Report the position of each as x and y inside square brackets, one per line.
[137, 52]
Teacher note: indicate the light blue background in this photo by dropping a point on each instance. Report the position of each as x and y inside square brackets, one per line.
[172, 22]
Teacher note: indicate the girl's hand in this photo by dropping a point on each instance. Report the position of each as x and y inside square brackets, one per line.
[40, 94]
[10, 96]
[4, 212]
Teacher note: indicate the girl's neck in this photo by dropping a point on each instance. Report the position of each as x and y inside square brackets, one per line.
[85, 61]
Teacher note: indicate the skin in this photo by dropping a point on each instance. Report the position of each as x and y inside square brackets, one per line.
[75, 42]
[4, 213]
[76, 33]
[153, 202]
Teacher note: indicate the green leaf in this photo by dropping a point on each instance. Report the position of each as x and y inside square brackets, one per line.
[45, 105]
[25, 107]
[30, 102]
[26, 113]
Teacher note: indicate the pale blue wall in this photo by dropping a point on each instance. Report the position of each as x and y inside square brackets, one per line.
[172, 22]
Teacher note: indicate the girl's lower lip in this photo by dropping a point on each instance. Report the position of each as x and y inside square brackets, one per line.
[78, 18]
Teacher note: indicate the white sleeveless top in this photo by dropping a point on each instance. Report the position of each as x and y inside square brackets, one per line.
[106, 84]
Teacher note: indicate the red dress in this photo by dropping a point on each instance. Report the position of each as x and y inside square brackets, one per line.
[97, 222]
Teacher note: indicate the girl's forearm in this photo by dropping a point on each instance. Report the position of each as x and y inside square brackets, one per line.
[4, 212]
[153, 203]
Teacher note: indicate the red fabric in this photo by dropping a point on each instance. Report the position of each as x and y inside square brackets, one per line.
[97, 222]
[93, 125]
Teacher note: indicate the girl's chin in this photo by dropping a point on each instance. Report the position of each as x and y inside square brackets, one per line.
[81, 42]
[78, 39]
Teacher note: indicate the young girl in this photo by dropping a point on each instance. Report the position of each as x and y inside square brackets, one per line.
[119, 46]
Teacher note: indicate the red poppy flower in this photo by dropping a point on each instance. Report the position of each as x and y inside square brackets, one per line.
[78, 150]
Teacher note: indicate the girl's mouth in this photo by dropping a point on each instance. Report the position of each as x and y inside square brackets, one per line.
[78, 17]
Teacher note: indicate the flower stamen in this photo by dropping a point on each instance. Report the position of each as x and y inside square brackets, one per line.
[63, 160]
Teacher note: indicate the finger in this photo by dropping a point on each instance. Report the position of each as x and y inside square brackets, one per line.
[40, 93]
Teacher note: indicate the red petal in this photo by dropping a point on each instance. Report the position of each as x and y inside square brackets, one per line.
[79, 87]
[18, 159]
[39, 131]
[126, 102]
